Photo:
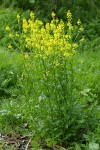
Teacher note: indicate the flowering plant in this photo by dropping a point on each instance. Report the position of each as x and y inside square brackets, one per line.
[53, 46]
[46, 39]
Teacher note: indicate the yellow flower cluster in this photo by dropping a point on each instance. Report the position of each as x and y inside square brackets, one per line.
[13, 36]
[18, 18]
[79, 22]
[7, 28]
[49, 39]
[69, 15]
[52, 38]
[10, 46]
[10, 35]
[53, 15]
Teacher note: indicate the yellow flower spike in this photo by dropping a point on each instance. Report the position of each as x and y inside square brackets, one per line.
[60, 26]
[52, 26]
[70, 26]
[18, 17]
[31, 15]
[17, 35]
[79, 22]
[69, 15]
[82, 39]
[7, 28]
[68, 36]
[26, 56]
[56, 64]
[81, 29]
[68, 46]
[10, 35]
[47, 26]
[26, 65]
[49, 39]
[53, 14]
[25, 25]
[56, 20]
[10, 46]
[67, 54]
[75, 45]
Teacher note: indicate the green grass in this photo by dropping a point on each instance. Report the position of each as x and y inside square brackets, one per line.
[22, 101]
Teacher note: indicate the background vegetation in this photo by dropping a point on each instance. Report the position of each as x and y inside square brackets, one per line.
[53, 102]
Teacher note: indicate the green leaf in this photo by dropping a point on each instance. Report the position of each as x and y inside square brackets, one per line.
[87, 90]
[93, 146]
[77, 147]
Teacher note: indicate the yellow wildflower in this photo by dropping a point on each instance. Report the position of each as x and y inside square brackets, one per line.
[68, 36]
[82, 39]
[75, 45]
[52, 26]
[31, 15]
[56, 64]
[70, 25]
[7, 28]
[10, 35]
[17, 35]
[26, 65]
[18, 17]
[51, 38]
[25, 25]
[47, 26]
[69, 15]
[79, 22]
[10, 46]
[53, 15]
[26, 56]
[81, 28]
[67, 54]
